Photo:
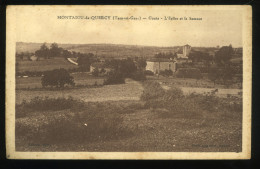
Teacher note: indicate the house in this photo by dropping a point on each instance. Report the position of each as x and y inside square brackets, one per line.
[160, 64]
[33, 58]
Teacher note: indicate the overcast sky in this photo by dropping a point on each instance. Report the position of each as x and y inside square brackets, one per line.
[217, 27]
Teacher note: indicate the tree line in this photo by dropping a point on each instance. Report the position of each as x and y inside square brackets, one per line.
[54, 51]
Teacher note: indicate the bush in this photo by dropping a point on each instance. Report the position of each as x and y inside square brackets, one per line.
[73, 130]
[188, 73]
[152, 90]
[148, 73]
[166, 72]
[212, 103]
[138, 76]
[173, 94]
[161, 98]
[172, 100]
[95, 72]
[98, 121]
[57, 77]
[46, 104]
[114, 78]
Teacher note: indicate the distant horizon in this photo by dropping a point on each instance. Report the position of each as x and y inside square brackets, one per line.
[64, 43]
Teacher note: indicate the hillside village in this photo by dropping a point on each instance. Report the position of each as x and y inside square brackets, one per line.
[128, 98]
[182, 62]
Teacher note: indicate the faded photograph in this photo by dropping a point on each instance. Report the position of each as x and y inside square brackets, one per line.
[128, 80]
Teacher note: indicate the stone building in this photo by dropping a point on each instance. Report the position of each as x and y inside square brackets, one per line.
[158, 64]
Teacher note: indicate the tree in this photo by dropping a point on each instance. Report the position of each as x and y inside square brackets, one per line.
[43, 52]
[66, 53]
[222, 58]
[102, 71]
[127, 67]
[141, 63]
[114, 63]
[85, 60]
[197, 56]
[227, 76]
[114, 77]
[95, 72]
[55, 51]
[213, 74]
[224, 54]
[167, 55]
[57, 77]
[138, 76]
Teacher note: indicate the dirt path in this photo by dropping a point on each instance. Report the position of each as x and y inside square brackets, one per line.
[218, 92]
[71, 61]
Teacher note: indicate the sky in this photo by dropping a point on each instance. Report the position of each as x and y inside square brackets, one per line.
[217, 27]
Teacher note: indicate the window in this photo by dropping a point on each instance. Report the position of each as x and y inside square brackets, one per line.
[170, 66]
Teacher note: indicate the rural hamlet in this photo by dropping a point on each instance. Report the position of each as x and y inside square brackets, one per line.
[128, 98]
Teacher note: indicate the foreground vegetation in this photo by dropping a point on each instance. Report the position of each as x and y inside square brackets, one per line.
[161, 121]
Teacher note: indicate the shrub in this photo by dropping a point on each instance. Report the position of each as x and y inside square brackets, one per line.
[114, 78]
[148, 73]
[188, 73]
[152, 90]
[138, 76]
[57, 77]
[60, 130]
[95, 72]
[172, 100]
[183, 107]
[97, 122]
[46, 104]
[166, 72]
[161, 98]
[173, 94]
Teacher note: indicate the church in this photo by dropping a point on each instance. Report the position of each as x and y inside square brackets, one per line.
[161, 64]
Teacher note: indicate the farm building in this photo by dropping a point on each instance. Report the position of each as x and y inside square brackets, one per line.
[158, 64]
[33, 58]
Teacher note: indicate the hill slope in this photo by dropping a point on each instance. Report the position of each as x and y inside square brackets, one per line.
[106, 50]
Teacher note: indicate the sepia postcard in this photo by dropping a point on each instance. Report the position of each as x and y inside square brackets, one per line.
[128, 82]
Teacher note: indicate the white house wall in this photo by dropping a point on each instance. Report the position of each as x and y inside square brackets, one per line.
[149, 66]
[154, 66]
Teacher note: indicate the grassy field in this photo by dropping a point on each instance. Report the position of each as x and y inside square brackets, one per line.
[80, 79]
[129, 91]
[72, 125]
[133, 116]
[43, 65]
[188, 82]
